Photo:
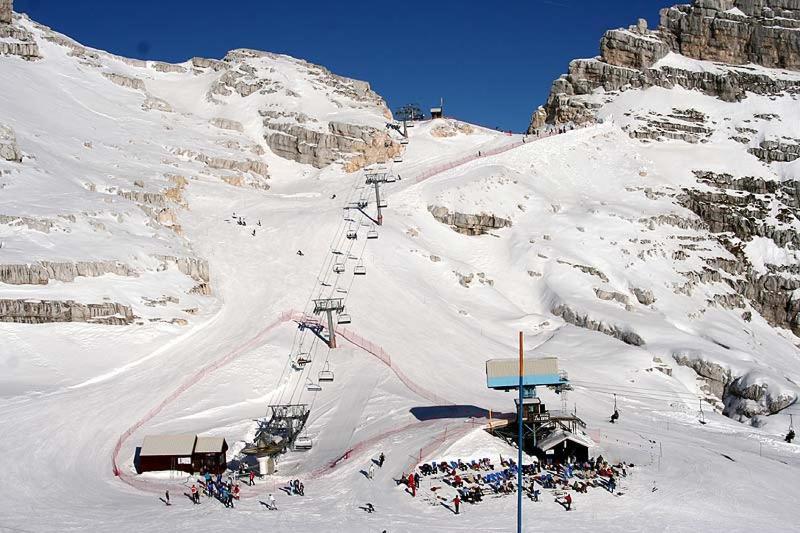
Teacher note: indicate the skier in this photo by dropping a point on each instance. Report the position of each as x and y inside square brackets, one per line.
[166, 496]
[381, 459]
[301, 489]
[252, 478]
[370, 508]
[790, 436]
[333, 196]
[272, 504]
[259, 222]
[568, 501]
[612, 485]
[615, 416]
[300, 252]
[412, 485]
[371, 470]
[416, 479]
[195, 496]
[457, 502]
[254, 233]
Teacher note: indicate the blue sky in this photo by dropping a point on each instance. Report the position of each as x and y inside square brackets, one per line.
[492, 62]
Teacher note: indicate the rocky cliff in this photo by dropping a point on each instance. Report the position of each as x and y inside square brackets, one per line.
[734, 32]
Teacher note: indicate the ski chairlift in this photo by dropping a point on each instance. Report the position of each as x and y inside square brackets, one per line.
[390, 178]
[361, 204]
[338, 268]
[360, 270]
[352, 234]
[303, 443]
[403, 141]
[398, 159]
[326, 374]
[311, 386]
[341, 291]
[344, 318]
[301, 361]
[372, 233]
[337, 252]
[702, 418]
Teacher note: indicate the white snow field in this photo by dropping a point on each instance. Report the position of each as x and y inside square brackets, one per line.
[76, 399]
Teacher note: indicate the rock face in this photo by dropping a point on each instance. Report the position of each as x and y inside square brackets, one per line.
[738, 32]
[361, 145]
[41, 272]
[468, 224]
[746, 208]
[764, 32]
[6, 11]
[13, 39]
[42, 311]
[8, 145]
[584, 321]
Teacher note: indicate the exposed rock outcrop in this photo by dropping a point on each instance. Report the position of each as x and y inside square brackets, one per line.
[6, 11]
[125, 81]
[43, 311]
[468, 224]
[764, 32]
[584, 321]
[8, 145]
[750, 207]
[15, 40]
[41, 272]
[360, 145]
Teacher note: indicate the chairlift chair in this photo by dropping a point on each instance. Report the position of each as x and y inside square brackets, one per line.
[352, 234]
[338, 268]
[362, 204]
[344, 318]
[313, 387]
[383, 204]
[372, 234]
[390, 178]
[341, 291]
[403, 141]
[360, 270]
[398, 159]
[303, 443]
[326, 374]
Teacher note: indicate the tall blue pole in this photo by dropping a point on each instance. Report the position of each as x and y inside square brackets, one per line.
[519, 440]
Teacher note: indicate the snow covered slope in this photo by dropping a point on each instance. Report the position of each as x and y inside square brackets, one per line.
[586, 241]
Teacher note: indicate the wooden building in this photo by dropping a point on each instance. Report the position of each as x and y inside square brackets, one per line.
[187, 453]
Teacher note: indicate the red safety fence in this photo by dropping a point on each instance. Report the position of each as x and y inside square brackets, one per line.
[380, 353]
[491, 152]
[193, 379]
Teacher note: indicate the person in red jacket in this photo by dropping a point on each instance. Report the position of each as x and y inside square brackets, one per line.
[195, 497]
[457, 502]
[412, 485]
[568, 501]
[252, 478]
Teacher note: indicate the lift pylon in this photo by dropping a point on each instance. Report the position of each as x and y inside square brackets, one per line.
[376, 177]
[329, 306]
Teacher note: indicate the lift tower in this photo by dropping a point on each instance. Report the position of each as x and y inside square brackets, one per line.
[329, 306]
[376, 178]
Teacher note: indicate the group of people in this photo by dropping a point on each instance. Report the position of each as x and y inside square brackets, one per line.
[471, 480]
[241, 221]
[296, 487]
[225, 492]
